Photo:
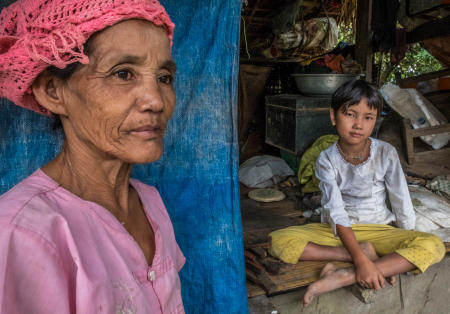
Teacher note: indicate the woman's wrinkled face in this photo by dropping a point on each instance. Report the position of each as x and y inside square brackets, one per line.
[119, 104]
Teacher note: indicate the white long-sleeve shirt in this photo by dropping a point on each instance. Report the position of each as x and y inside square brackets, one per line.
[356, 194]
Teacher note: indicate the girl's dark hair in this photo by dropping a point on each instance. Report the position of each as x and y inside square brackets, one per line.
[351, 93]
[65, 73]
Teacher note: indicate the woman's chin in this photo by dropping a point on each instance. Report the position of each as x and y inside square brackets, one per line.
[146, 158]
[142, 155]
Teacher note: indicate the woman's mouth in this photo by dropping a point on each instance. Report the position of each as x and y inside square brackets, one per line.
[147, 132]
[357, 135]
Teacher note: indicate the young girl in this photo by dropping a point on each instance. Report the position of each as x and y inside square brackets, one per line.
[355, 173]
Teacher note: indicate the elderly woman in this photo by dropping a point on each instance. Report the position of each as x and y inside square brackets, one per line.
[79, 235]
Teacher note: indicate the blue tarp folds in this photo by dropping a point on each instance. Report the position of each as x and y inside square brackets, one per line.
[197, 175]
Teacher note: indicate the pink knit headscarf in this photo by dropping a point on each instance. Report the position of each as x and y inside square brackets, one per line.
[35, 34]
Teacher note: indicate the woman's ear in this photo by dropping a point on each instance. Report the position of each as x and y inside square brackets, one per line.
[332, 117]
[48, 92]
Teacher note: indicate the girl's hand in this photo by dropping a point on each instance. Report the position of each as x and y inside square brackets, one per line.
[368, 275]
[366, 272]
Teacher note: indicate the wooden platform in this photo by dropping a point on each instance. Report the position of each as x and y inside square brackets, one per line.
[292, 277]
[296, 276]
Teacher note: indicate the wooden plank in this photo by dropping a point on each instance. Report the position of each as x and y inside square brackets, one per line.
[292, 277]
[258, 221]
[442, 128]
[299, 275]
[254, 290]
[286, 208]
[433, 29]
[436, 156]
[423, 13]
[424, 77]
[440, 98]
[409, 145]
[363, 46]
[269, 285]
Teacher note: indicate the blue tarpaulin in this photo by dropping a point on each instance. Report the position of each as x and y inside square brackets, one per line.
[198, 173]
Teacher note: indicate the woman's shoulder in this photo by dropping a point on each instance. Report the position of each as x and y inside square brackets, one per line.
[150, 197]
[34, 186]
[156, 209]
[146, 192]
[29, 206]
[137, 184]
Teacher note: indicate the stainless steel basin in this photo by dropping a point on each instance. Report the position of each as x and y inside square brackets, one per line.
[321, 85]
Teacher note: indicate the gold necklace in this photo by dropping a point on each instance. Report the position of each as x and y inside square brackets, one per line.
[357, 158]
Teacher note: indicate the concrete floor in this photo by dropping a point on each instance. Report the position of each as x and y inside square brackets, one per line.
[427, 293]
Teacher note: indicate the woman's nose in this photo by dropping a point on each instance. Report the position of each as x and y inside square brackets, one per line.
[150, 98]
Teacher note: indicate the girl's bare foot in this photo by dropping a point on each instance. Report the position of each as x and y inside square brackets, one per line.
[328, 267]
[314, 289]
[369, 250]
[330, 279]
[392, 280]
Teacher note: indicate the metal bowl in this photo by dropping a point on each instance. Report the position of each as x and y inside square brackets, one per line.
[321, 85]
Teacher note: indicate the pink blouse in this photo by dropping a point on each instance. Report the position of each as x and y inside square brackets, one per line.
[62, 254]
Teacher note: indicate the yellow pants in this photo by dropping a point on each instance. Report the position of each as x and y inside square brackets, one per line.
[420, 248]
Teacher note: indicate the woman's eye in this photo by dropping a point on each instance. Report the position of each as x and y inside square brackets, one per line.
[166, 79]
[123, 75]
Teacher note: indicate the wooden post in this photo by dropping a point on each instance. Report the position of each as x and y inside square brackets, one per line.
[408, 138]
[363, 45]
[423, 77]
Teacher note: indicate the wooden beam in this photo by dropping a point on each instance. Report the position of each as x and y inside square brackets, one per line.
[442, 128]
[363, 45]
[429, 30]
[436, 156]
[424, 77]
[421, 14]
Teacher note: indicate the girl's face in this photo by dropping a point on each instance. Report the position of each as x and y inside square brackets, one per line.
[118, 105]
[356, 124]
